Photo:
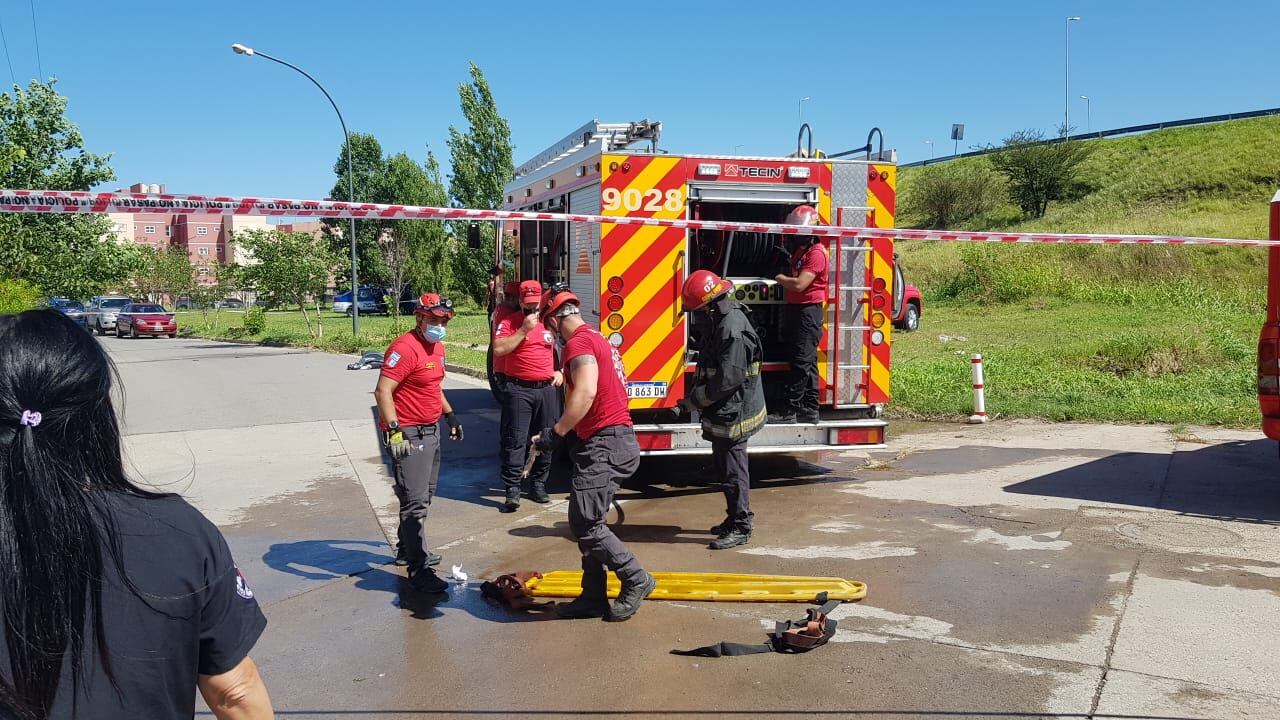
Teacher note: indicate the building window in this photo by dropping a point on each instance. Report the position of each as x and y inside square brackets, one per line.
[203, 251]
[202, 231]
[168, 231]
[204, 271]
[149, 229]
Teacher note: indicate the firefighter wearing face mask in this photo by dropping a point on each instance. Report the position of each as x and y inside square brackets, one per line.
[411, 402]
[726, 391]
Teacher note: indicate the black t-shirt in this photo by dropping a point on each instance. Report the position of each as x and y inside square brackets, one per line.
[193, 614]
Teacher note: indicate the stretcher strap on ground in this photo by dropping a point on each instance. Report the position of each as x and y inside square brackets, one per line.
[66, 201]
[723, 587]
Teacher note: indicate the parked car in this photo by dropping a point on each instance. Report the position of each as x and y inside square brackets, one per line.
[101, 312]
[908, 305]
[145, 319]
[342, 302]
[372, 302]
[229, 304]
[70, 308]
[184, 302]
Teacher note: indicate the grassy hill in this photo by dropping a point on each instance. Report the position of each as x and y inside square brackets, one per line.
[1109, 333]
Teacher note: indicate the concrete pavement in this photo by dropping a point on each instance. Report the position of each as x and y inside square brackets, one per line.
[1015, 570]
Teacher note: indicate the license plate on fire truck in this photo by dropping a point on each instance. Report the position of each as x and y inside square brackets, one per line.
[646, 389]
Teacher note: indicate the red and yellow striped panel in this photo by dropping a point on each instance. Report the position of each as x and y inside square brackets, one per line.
[650, 262]
[882, 183]
[880, 267]
[826, 383]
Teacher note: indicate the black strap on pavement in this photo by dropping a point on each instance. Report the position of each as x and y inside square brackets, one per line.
[778, 641]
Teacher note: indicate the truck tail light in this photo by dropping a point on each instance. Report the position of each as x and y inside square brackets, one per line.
[614, 322]
[654, 440]
[859, 436]
[1269, 371]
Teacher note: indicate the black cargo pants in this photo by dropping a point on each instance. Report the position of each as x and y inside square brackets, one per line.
[804, 332]
[600, 463]
[731, 470]
[527, 408]
[416, 478]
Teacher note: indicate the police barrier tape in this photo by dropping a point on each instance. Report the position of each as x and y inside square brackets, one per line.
[67, 201]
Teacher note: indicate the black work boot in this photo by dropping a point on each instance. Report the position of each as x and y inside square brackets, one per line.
[807, 417]
[402, 558]
[723, 528]
[539, 495]
[586, 605]
[782, 418]
[592, 601]
[630, 597]
[733, 538]
[426, 580]
[512, 502]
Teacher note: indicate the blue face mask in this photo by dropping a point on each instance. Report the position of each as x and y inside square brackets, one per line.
[434, 333]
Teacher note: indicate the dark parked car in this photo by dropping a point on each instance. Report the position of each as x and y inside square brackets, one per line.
[70, 308]
[229, 304]
[145, 319]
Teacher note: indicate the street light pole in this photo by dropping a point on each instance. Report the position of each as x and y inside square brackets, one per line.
[930, 144]
[1088, 113]
[800, 108]
[351, 185]
[1066, 79]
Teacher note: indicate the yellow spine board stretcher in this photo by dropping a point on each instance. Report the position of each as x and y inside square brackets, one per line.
[723, 587]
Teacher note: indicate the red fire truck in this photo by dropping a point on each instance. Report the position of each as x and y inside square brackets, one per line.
[629, 276]
[1269, 340]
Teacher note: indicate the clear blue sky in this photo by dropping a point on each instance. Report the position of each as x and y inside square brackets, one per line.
[157, 85]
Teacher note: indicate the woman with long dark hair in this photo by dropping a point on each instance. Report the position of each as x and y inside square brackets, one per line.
[117, 602]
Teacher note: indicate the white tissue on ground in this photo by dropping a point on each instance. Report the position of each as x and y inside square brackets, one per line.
[458, 575]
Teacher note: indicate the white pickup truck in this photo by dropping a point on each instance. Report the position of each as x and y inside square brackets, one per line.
[100, 313]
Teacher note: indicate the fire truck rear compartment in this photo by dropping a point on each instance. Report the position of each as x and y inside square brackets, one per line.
[751, 260]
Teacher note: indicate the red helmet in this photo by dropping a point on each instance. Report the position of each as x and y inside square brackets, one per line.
[433, 304]
[555, 298]
[702, 287]
[803, 215]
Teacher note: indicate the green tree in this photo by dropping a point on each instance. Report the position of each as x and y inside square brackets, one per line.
[482, 164]
[163, 272]
[369, 169]
[72, 255]
[1038, 171]
[418, 250]
[289, 269]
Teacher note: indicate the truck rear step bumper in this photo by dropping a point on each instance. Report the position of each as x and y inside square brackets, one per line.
[686, 438]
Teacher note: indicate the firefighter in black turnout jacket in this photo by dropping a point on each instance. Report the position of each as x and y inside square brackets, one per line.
[727, 392]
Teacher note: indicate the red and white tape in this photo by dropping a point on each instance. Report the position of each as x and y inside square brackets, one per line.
[63, 201]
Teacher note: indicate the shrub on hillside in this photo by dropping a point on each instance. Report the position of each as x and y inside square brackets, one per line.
[18, 295]
[1040, 172]
[1150, 355]
[943, 196]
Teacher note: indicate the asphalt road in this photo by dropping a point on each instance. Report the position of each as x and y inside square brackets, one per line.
[1015, 570]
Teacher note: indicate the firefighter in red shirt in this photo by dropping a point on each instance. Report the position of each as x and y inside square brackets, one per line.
[530, 400]
[411, 402]
[805, 283]
[604, 454]
[510, 304]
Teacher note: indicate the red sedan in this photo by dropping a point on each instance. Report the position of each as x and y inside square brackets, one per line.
[144, 319]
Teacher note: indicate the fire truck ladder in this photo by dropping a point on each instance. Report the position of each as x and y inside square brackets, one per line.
[852, 328]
